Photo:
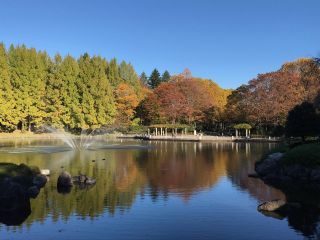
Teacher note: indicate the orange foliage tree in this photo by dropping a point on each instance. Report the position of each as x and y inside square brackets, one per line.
[183, 99]
[267, 99]
[126, 102]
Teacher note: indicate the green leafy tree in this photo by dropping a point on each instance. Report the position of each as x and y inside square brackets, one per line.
[62, 92]
[144, 79]
[8, 116]
[96, 97]
[62, 95]
[54, 88]
[113, 73]
[165, 76]
[154, 79]
[28, 74]
[129, 76]
[302, 121]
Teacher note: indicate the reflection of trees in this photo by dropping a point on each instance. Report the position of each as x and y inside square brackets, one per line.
[303, 219]
[181, 167]
[240, 162]
[118, 182]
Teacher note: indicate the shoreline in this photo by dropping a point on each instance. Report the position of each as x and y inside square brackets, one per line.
[197, 138]
[45, 136]
[190, 138]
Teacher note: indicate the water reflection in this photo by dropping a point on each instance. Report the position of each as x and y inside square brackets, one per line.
[181, 169]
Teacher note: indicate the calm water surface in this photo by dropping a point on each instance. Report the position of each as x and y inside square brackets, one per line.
[173, 190]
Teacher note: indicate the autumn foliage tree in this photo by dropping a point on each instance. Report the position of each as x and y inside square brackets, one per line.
[149, 110]
[183, 99]
[64, 92]
[172, 101]
[308, 71]
[126, 102]
[270, 97]
[266, 100]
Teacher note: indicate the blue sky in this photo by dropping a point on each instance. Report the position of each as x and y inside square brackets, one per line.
[227, 41]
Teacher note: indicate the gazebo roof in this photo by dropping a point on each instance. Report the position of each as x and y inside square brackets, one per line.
[242, 126]
[169, 126]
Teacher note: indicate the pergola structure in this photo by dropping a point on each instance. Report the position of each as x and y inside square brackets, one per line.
[240, 126]
[163, 129]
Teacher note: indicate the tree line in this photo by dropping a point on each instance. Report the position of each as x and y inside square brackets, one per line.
[64, 92]
[266, 100]
[90, 92]
[184, 99]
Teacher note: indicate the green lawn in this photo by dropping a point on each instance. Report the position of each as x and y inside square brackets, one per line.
[306, 154]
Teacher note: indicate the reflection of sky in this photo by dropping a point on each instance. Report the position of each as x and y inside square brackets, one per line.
[222, 212]
[202, 191]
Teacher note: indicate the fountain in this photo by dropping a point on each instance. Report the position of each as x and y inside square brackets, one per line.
[86, 141]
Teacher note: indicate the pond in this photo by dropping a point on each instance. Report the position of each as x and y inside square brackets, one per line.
[152, 190]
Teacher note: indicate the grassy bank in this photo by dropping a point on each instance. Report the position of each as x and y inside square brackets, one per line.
[18, 135]
[307, 154]
[30, 135]
[22, 171]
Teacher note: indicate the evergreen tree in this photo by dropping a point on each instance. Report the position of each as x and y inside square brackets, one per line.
[113, 73]
[129, 76]
[54, 91]
[86, 73]
[165, 76]
[28, 73]
[97, 101]
[144, 79]
[8, 117]
[69, 72]
[154, 79]
[62, 94]
[102, 93]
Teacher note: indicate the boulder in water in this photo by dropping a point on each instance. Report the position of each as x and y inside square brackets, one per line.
[64, 180]
[83, 180]
[268, 165]
[271, 205]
